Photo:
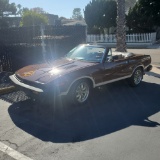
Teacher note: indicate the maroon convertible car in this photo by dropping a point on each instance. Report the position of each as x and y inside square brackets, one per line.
[83, 68]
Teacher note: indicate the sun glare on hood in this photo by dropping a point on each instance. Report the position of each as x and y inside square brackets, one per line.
[54, 71]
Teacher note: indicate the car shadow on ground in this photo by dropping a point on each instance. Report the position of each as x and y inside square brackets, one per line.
[117, 107]
[153, 74]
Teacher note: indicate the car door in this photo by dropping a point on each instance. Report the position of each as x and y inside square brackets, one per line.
[115, 69]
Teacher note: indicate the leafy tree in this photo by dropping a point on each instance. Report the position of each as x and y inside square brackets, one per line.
[100, 14]
[31, 18]
[77, 14]
[95, 30]
[62, 18]
[25, 10]
[121, 33]
[144, 16]
[6, 9]
[38, 10]
[129, 4]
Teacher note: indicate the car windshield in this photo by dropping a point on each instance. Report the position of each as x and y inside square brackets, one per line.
[87, 53]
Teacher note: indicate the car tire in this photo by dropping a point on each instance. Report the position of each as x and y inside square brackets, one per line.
[80, 92]
[136, 77]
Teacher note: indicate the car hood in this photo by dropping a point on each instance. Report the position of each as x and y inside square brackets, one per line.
[45, 73]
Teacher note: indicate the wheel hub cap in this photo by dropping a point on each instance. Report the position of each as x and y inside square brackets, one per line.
[137, 77]
[82, 92]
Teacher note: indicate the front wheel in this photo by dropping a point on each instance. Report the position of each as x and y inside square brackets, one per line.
[79, 93]
[137, 77]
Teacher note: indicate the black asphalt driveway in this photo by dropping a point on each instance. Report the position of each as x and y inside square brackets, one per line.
[119, 122]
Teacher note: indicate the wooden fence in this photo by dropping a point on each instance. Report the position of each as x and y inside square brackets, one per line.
[130, 38]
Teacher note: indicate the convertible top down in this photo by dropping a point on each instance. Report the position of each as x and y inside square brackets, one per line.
[84, 67]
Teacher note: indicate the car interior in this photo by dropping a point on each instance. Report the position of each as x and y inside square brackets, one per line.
[120, 55]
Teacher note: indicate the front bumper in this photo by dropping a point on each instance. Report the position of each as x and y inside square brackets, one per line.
[35, 92]
[31, 91]
[19, 83]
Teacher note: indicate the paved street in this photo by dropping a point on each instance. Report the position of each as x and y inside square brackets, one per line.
[120, 123]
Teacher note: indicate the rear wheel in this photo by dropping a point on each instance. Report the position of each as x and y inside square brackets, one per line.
[80, 92]
[137, 77]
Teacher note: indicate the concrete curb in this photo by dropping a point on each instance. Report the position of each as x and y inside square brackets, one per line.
[6, 90]
[154, 72]
[156, 69]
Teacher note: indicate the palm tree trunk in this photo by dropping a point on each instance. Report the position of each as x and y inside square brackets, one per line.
[121, 22]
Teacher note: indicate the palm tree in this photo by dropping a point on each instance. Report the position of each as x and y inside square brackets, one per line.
[121, 32]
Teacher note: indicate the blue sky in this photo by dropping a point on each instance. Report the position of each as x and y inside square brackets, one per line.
[59, 7]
